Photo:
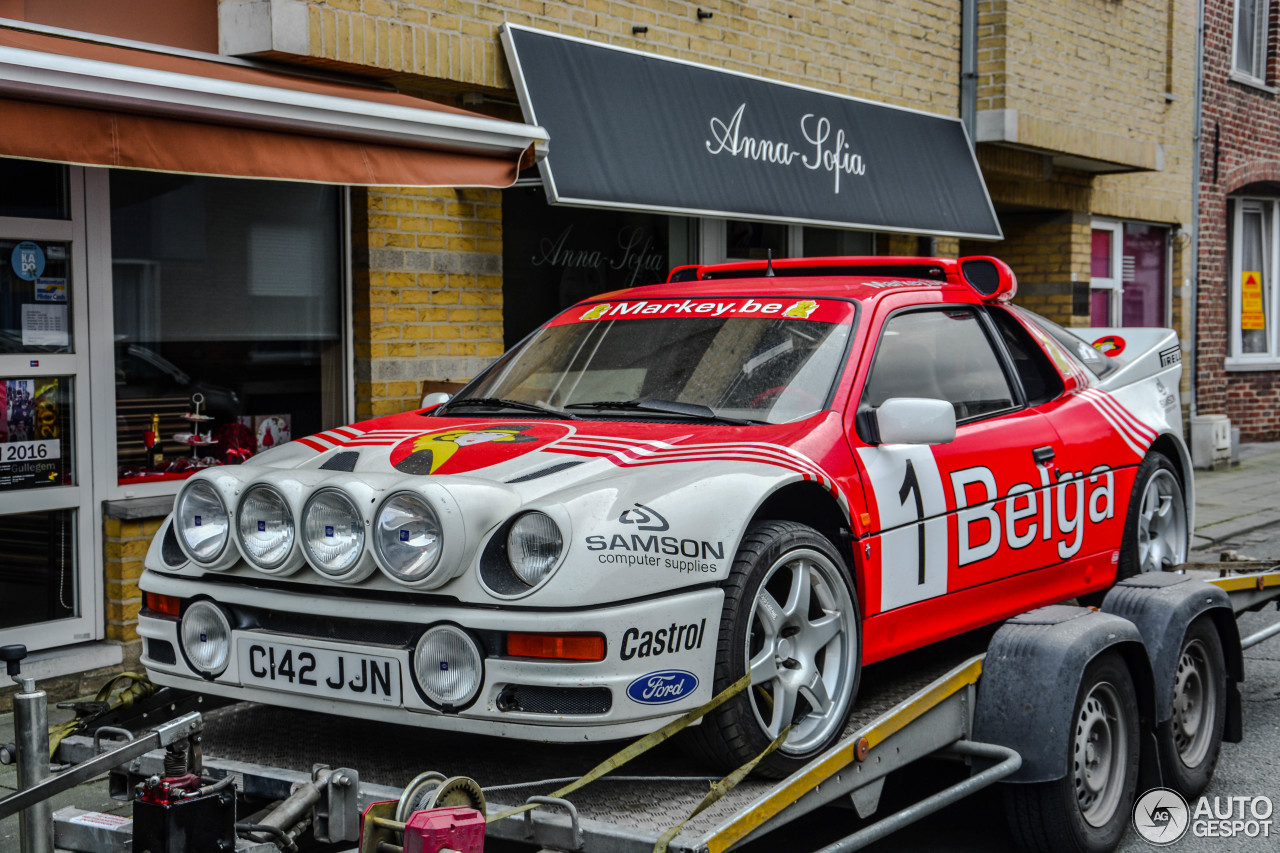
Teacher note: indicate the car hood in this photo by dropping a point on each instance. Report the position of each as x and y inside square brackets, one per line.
[654, 506]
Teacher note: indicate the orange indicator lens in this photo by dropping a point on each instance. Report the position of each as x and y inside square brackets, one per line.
[166, 604]
[556, 646]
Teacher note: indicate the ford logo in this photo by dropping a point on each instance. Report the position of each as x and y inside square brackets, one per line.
[659, 688]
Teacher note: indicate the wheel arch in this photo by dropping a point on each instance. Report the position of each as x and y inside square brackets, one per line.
[808, 503]
[1031, 675]
[1173, 448]
[1163, 606]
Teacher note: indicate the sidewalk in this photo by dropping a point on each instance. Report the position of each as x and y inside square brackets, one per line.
[1236, 500]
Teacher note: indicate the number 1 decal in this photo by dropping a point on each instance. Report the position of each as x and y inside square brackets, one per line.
[911, 507]
[911, 484]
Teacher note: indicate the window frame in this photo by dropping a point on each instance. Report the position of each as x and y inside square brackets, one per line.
[1016, 392]
[1269, 209]
[1113, 283]
[1257, 74]
[102, 390]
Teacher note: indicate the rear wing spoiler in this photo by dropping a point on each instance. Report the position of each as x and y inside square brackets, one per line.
[1136, 354]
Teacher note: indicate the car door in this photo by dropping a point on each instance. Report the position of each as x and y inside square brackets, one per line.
[1101, 442]
[961, 515]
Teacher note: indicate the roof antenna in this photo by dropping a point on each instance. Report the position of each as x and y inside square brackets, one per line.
[768, 270]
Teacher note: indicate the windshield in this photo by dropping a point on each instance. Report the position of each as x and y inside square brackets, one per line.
[671, 358]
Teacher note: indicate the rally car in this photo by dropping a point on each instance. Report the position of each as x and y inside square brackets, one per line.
[792, 469]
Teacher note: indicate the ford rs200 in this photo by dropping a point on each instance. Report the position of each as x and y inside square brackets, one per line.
[787, 470]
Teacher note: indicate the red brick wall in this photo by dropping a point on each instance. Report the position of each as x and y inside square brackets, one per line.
[1241, 126]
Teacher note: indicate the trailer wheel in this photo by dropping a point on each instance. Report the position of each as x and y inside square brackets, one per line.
[790, 618]
[1189, 747]
[1087, 810]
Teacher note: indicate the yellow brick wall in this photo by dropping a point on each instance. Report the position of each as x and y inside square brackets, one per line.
[125, 545]
[1049, 253]
[428, 290]
[903, 52]
[1100, 72]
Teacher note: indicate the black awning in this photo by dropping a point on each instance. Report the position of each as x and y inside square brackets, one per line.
[632, 130]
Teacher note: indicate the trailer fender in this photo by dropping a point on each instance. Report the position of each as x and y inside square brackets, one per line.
[1163, 606]
[1030, 679]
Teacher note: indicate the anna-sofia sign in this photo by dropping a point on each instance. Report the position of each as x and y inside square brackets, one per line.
[634, 130]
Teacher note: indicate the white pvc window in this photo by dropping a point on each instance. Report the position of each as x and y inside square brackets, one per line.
[1253, 282]
[1249, 54]
[1106, 278]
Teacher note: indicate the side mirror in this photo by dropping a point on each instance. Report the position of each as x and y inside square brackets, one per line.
[439, 398]
[915, 420]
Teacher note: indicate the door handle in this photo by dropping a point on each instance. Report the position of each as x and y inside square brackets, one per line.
[1043, 455]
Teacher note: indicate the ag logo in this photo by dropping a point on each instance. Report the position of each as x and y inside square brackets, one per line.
[1161, 816]
[595, 312]
[461, 449]
[644, 518]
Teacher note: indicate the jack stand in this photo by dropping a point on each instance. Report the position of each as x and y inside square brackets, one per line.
[31, 730]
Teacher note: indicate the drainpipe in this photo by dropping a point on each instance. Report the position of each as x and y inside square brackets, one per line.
[969, 66]
[1197, 120]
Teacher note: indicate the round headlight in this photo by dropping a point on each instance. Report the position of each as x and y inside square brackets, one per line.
[448, 665]
[407, 537]
[533, 546]
[332, 532]
[206, 637]
[202, 521]
[265, 526]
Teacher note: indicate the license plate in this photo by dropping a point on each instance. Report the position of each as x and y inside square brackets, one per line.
[353, 676]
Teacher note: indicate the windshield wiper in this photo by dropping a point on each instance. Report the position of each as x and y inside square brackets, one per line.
[697, 411]
[499, 402]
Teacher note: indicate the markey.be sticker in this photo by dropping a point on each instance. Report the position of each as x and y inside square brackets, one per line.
[789, 307]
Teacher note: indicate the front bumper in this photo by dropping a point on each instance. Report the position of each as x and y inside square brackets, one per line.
[627, 658]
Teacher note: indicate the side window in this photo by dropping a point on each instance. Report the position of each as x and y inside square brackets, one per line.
[1076, 349]
[1039, 379]
[942, 355]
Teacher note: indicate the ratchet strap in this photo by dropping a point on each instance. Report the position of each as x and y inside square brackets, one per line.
[645, 744]
[719, 789]
[136, 688]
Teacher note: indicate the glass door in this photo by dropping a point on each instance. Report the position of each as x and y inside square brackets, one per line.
[49, 592]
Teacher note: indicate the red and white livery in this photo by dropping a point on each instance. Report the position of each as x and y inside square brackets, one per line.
[792, 469]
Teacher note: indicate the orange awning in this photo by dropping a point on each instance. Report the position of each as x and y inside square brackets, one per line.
[73, 101]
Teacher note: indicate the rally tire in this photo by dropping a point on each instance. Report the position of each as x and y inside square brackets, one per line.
[1156, 534]
[815, 631]
[1083, 812]
[1190, 744]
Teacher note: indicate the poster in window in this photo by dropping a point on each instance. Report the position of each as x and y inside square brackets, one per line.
[30, 433]
[1252, 315]
[269, 430]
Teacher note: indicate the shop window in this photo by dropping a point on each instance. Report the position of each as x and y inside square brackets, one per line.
[1253, 281]
[38, 575]
[1250, 38]
[35, 297]
[553, 256]
[746, 240]
[227, 297]
[837, 242]
[34, 190]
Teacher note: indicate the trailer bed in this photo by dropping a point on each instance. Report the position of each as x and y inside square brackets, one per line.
[629, 814]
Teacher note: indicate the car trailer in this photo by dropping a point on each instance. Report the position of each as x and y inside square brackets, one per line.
[1099, 703]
